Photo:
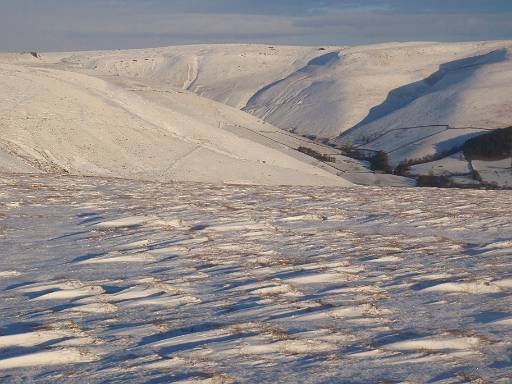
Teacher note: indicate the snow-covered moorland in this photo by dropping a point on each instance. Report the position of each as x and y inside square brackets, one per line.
[156, 226]
[177, 113]
[105, 280]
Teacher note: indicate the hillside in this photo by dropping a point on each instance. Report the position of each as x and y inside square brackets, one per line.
[415, 101]
[59, 121]
[463, 98]
[229, 73]
[323, 91]
[418, 102]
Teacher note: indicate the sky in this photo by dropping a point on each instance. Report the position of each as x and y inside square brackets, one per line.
[60, 25]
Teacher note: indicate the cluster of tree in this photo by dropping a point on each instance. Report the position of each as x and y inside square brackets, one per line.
[492, 146]
[317, 155]
[380, 162]
[350, 151]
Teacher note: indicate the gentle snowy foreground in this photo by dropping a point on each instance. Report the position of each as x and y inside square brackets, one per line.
[106, 280]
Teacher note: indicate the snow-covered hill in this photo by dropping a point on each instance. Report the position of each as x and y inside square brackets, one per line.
[463, 98]
[412, 100]
[418, 102]
[152, 230]
[56, 120]
[325, 91]
[229, 73]
[359, 85]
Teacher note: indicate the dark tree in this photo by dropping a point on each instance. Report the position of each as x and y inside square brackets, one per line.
[317, 155]
[492, 146]
[380, 162]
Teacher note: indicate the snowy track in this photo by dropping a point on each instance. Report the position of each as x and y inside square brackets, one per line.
[122, 281]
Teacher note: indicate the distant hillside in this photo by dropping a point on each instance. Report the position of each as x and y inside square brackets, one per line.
[416, 102]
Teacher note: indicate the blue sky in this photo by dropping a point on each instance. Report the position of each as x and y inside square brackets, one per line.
[106, 24]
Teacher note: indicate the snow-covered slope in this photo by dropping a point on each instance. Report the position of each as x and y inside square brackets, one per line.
[412, 100]
[326, 91]
[124, 281]
[228, 73]
[471, 92]
[61, 121]
[424, 122]
[360, 85]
